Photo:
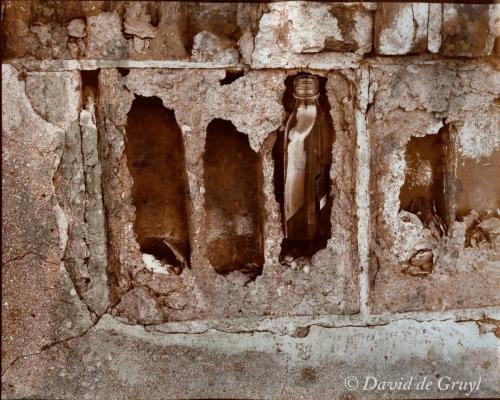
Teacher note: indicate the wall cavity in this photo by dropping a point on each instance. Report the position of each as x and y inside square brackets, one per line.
[233, 201]
[443, 186]
[156, 162]
[423, 192]
[231, 76]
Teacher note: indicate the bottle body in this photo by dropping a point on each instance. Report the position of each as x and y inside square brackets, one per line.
[307, 161]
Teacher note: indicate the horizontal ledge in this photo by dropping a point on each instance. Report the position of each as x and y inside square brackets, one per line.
[69, 65]
[288, 325]
[65, 65]
[344, 61]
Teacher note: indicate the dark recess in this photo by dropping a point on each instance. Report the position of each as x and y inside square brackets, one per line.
[233, 201]
[231, 76]
[156, 162]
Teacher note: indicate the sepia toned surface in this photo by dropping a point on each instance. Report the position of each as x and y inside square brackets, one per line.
[143, 253]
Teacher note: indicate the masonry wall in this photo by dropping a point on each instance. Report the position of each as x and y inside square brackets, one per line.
[142, 252]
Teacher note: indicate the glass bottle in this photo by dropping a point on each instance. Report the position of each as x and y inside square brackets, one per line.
[307, 161]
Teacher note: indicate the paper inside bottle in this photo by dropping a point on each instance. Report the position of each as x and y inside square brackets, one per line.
[296, 160]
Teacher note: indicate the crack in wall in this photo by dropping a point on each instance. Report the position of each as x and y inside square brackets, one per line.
[480, 317]
[50, 345]
[296, 327]
[72, 196]
[22, 256]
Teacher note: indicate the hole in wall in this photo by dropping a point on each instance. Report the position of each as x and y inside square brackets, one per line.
[233, 201]
[90, 78]
[231, 76]
[317, 240]
[423, 191]
[152, 10]
[123, 71]
[442, 186]
[90, 86]
[156, 162]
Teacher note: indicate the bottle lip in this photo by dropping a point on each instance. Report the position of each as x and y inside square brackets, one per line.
[306, 87]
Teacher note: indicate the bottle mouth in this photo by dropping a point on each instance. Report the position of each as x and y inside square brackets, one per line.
[306, 87]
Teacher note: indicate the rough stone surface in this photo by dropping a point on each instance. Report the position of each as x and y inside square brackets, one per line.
[104, 363]
[446, 97]
[57, 98]
[305, 286]
[279, 34]
[401, 28]
[466, 29]
[434, 24]
[40, 305]
[140, 144]
[209, 47]
[288, 38]
[105, 39]
[76, 28]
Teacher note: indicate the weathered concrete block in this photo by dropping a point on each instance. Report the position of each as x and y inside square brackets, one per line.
[458, 30]
[104, 37]
[401, 28]
[280, 34]
[295, 34]
[41, 305]
[57, 96]
[143, 252]
[37, 29]
[422, 140]
[312, 285]
[114, 360]
[466, 29]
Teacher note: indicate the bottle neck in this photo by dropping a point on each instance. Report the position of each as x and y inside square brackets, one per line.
[305, 101]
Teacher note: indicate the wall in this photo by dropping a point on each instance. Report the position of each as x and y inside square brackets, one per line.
[142, 235]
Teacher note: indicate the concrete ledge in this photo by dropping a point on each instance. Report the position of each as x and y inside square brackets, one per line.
[115, 361]
[342, 62]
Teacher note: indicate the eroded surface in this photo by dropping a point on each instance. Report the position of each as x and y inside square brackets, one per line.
[420, 244]
[95, 306]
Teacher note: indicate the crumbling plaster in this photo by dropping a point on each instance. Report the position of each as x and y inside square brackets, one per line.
[84, 317]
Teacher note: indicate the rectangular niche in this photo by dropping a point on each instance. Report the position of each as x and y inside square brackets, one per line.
[156, 162]
[291, 249]
[233, 201]
[442, 186]
[425, 189]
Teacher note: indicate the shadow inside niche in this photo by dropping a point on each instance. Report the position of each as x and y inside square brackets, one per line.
[233, 201]
[231, 76]
[423, 191]
[156, 162]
